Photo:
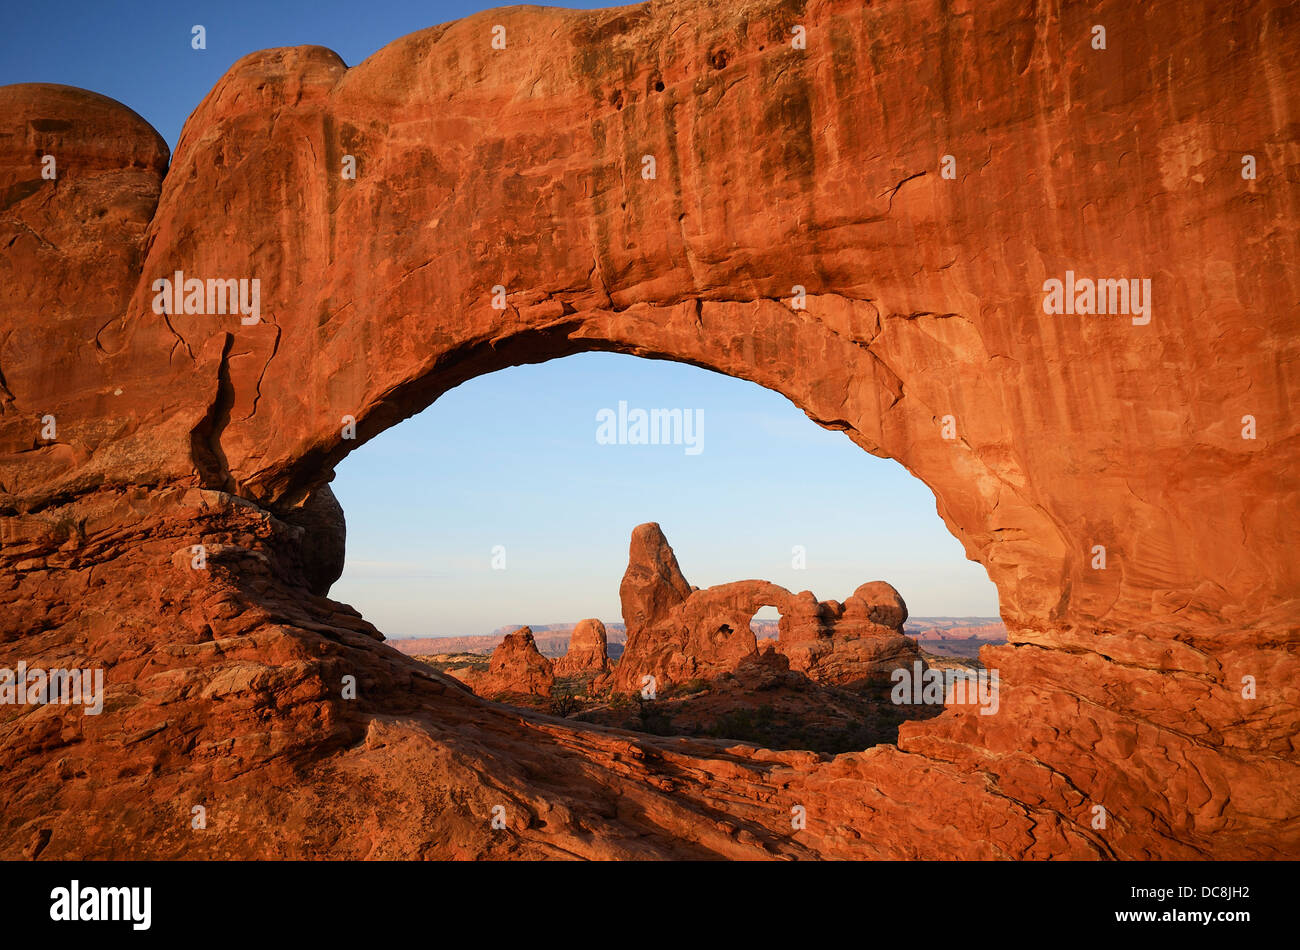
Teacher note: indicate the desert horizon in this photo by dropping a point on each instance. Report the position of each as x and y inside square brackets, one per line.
[552, 636]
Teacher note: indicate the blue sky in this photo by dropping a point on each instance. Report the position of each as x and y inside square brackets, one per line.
[512, 459]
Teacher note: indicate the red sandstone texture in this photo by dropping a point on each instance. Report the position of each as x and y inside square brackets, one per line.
[677, 632]
[588, 651]
[1162, 688]
[516, 668]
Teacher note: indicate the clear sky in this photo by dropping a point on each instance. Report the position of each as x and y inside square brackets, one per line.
[512, 459]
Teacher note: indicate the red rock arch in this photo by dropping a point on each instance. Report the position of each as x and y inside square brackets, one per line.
[775, 170]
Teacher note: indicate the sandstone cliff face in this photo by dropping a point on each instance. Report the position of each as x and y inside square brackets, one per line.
[1121, 687]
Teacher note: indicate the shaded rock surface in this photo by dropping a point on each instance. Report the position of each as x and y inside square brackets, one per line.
[763, 702]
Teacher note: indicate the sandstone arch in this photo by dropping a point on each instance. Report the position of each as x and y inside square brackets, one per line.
[777, 169]
[677, 633]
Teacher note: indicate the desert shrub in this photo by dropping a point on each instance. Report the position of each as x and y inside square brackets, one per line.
[652, 718]
[564, 703]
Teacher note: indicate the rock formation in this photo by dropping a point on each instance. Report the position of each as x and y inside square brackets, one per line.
[515, 669]
[1129, 487]
[855, 644]
[653, 585]
[705, 633]
[588, 651]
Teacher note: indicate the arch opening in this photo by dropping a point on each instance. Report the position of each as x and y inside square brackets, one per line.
[765, 624]
[533, 532]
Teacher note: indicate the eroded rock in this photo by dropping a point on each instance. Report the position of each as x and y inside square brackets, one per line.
[1121, 686]
[588, 651]
[707, 633]
[516, 668]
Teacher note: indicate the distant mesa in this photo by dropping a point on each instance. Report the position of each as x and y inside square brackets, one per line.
[552, 640]
[958, 636]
